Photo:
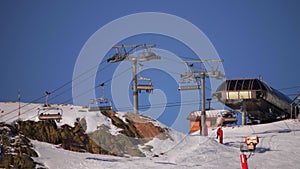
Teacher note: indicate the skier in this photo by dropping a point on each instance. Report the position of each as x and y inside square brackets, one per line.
[220, 134]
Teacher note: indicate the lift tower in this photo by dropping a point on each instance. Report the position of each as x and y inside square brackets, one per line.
[295, 103]
[192, 75]
[123, 55]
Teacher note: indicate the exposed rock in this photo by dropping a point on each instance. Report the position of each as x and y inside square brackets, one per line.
[135, 130]
[145, 127]
[128, 129]
[18, 150]
[138, 126]
[116, 144]
[45, 131]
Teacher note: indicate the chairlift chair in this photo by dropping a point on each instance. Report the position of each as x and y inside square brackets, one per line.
[189, 84]
[116, 58]
[119, 55]
[50, 113]
[189, 87]
[145, 84]
[229, 117]
[100, 104]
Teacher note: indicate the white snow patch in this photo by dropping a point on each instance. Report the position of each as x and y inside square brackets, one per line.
[121, 115]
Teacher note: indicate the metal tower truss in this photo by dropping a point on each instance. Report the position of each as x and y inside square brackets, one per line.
[193, 76]
[147, 55]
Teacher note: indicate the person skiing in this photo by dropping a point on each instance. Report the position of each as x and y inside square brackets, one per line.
[220, 134]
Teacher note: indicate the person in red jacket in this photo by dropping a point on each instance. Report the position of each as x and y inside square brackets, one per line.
[220, 134]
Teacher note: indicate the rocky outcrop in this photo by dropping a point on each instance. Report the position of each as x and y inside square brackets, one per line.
[138, 126]
[133, 131]
[136, 130]
[17, 150]
[146, 128]
[45, 131]
[69, 138]
[116, 144]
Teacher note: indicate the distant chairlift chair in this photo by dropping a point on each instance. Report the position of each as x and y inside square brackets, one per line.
[188, 82]
[145, 84]
[228, 117]
[50, 113]
[100, 104]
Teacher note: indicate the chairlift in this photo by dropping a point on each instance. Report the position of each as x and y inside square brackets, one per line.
[119, 55]
[145, 84]
[100, 104]
[189, 87]
[229, 117]
[50, 113]
[116, 58]
[188, 84]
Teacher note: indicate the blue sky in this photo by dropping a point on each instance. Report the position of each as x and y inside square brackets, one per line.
[40, 42]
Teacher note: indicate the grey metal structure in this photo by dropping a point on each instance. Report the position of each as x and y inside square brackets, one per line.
[257, 99]
[123, 55]
[295, 106]
[192, 75]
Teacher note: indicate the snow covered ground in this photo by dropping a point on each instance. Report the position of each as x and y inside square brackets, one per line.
[279, 147]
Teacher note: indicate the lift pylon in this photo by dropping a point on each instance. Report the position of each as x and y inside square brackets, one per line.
[192, 76]
[124, 55]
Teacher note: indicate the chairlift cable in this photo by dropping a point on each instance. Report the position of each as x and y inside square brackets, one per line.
[58, 88]
[74, 96]
[287, 88]
[162, 105]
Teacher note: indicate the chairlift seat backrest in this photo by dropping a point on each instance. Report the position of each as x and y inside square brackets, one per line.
[144, 84]
[100, 104]
[50, 113]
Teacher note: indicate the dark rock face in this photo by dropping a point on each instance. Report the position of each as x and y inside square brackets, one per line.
[70, 138]
[116, 144]
[45, 131]
[16, 151]
[135, 130]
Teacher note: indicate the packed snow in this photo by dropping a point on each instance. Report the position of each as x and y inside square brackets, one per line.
[278, 146]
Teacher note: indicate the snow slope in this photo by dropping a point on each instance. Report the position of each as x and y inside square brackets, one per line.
[279, 147]
[70, 113]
